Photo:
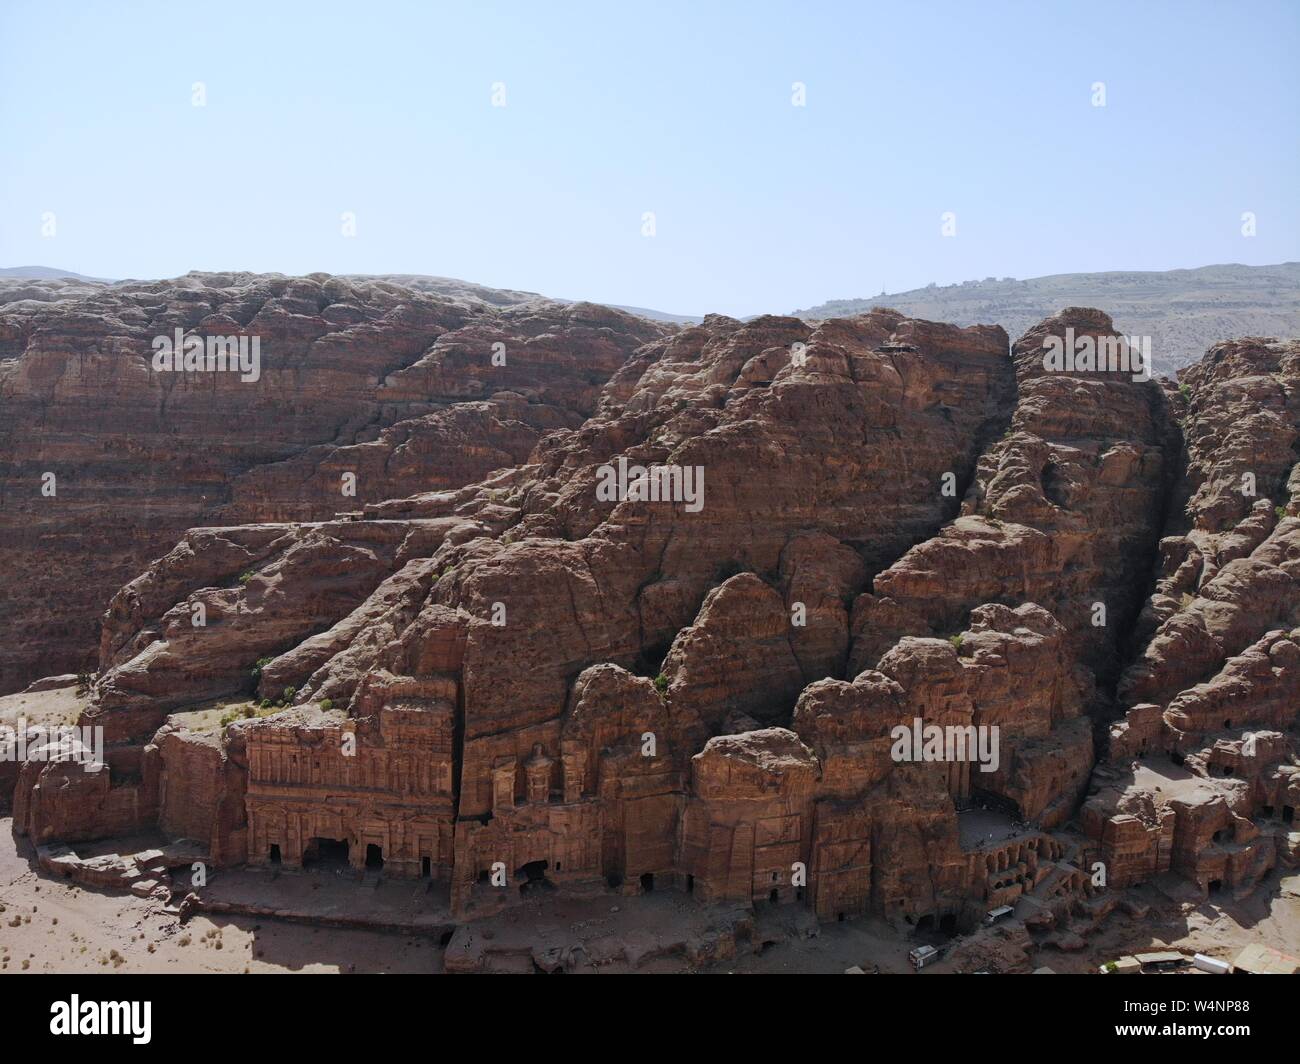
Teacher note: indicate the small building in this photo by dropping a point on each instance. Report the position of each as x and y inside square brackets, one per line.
[923, 955]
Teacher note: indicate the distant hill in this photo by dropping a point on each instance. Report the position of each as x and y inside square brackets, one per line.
[659, 315]
[1183, 311]
[43, 273]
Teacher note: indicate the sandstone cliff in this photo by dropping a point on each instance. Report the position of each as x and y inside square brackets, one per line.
[394, 386]
[497, 668]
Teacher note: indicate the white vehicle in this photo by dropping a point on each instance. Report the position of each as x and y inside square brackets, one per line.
[1211, 964]
[994, 915]
[923, 955]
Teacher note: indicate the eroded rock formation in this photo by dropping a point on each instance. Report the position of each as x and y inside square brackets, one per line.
[910, 589]
[395, 387]
[1201, 775]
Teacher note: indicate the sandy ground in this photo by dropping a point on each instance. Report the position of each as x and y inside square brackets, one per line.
[66, 928]
[208, 717]
[53, 926]
[62, 705]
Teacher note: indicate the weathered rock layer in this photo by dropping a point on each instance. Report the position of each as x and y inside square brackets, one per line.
[840, 615]
[105, 460]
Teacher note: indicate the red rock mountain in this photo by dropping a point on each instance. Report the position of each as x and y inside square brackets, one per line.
[391, 384]
[878, 523]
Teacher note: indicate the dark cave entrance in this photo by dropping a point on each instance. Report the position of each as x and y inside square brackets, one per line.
[274, 855]
[533, 875]
[328, 853]
[934, 929]
[374, 857]
[1055, 486]
[426, 867]
[649, 662]
[648, 883]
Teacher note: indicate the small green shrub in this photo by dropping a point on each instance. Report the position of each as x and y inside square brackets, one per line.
[661, 683]
[289, 692]
[266, 703]
[244, 578]
[327, 704]
[955, 640]
[258, 666]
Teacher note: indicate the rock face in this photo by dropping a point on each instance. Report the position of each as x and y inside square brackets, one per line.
[1064, 512]
[1201, 775]
[840, 616]
[394, 387]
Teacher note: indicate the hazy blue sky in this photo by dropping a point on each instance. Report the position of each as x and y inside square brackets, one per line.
[616, 109]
